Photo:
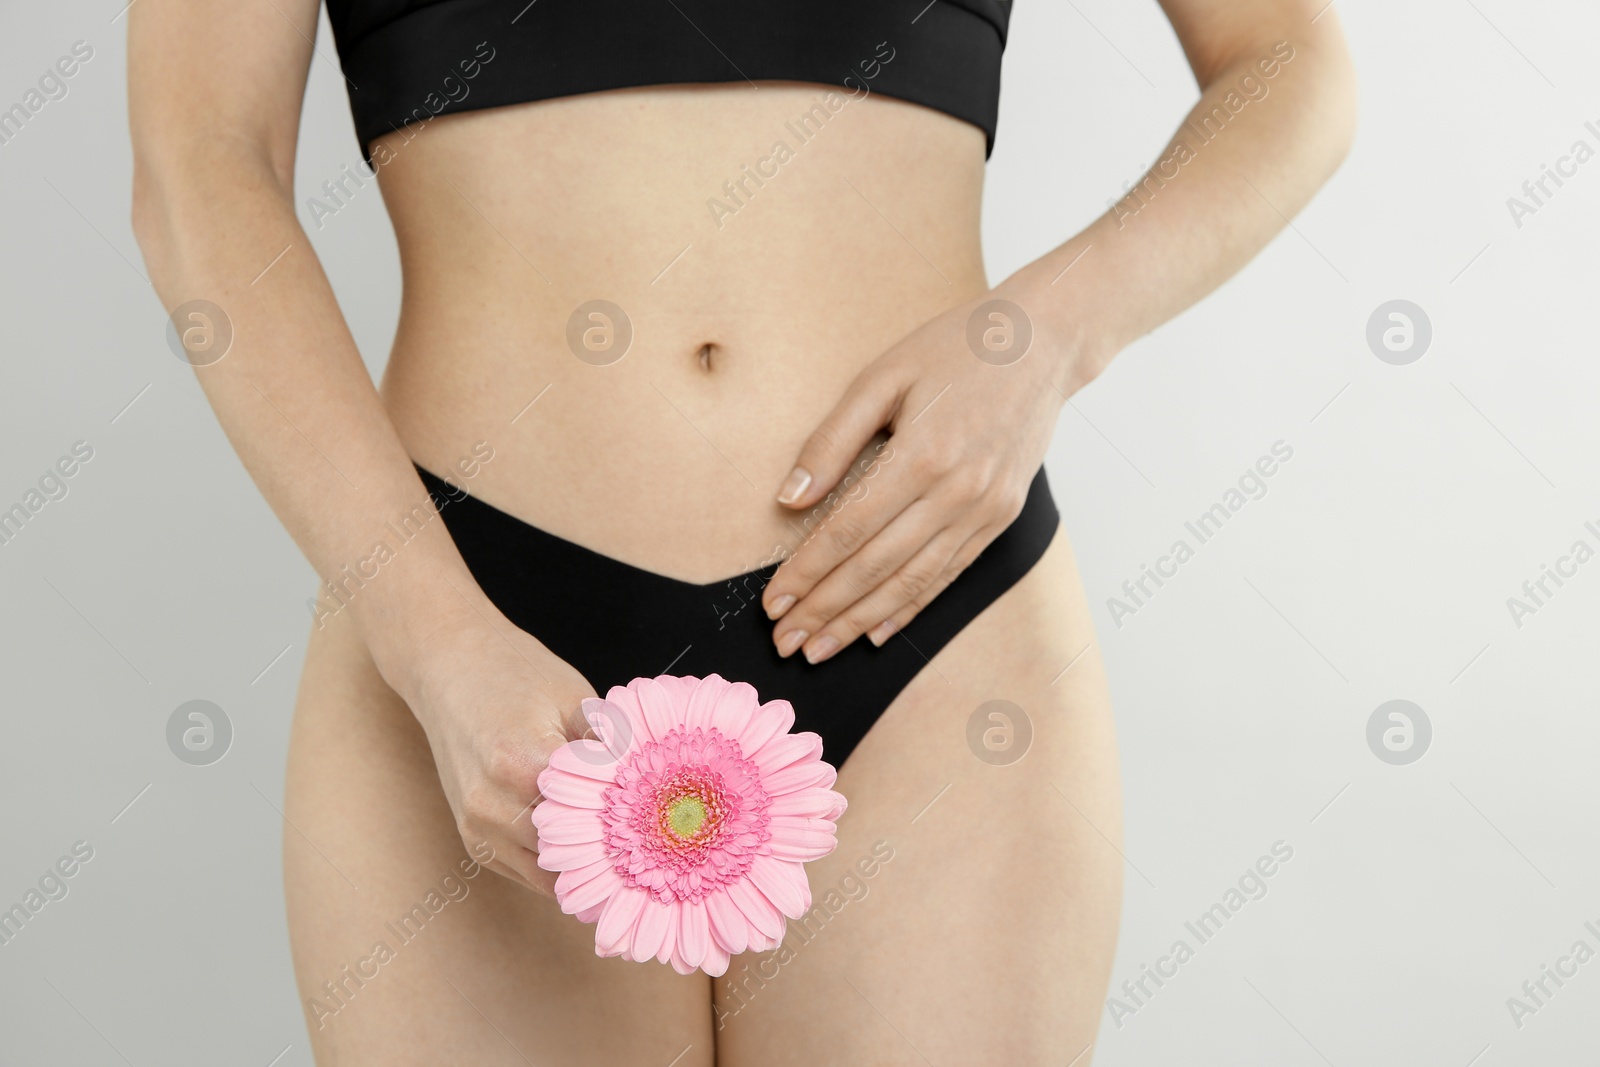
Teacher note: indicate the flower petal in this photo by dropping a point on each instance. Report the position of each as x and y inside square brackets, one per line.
[716, 961]
[703, 702]
[760, 942]
[762, 914]
[839, 805]
[590, 915]
[669, 940]
[805, 775]
[617, 919]
[680, 964]
[616, 729]
[679, 685]
[782, 882]
[787, 749]
[813, 803]
[802, 840]
[567, 881]
[659, 713]
[694, 932]
[561, 825]
[627, 699]
[566, 857]
[571, 789]
[729, 928]
[650, 933]
[770, 719]
[593, 761]
[595, 891]
[735, 706]
[546, 810]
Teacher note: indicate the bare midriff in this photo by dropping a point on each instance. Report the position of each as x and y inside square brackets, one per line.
[757, 282]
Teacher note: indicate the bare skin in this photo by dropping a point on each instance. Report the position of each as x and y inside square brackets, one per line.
[500, 973]
[831, 305]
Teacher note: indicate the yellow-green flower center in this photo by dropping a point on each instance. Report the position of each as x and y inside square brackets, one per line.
[686, 815]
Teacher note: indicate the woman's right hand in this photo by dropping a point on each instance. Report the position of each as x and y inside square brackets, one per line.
[494, 703]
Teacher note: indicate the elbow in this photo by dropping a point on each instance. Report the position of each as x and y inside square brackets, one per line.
[1339, 111]
[187, 192]
[162, 180]
[146, 213]
[150, 213]
[1332, 100]
[1310, 66]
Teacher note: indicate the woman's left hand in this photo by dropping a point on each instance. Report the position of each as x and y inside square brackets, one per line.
[969, 400]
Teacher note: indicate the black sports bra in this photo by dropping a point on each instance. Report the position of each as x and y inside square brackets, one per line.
[408, 60]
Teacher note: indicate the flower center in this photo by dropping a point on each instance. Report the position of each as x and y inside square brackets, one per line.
[685, 816]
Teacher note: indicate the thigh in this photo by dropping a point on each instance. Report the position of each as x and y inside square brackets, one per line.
[969, 914]
[405, 951]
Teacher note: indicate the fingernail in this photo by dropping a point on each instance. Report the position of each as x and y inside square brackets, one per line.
[781, 605]
[791, 641]
[794, 485]
[882, 632]
[826, 646]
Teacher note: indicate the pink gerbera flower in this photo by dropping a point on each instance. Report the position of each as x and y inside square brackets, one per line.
[681, 832]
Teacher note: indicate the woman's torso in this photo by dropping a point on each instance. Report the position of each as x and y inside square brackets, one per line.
[509, 219]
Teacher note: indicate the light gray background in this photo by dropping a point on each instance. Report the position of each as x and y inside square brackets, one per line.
[1377, 567]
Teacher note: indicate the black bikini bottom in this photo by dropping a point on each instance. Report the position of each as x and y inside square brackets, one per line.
[614, 622]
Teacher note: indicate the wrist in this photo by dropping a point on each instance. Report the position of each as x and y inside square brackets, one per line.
[1069, 321]
[414, 655]
[409, 618]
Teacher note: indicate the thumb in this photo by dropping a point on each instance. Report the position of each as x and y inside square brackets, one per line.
[865, 409]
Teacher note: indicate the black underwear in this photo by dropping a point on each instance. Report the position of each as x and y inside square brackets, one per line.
[406, 61]
[615, 622]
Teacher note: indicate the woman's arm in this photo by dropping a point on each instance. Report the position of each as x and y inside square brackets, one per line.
[1275, 119]
[215, 90]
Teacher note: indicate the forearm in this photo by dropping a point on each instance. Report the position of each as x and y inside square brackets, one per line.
[300, 408]
[1270, 127]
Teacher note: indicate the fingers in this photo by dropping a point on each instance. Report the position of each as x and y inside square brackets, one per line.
[901, 617]
[870, 584]
[881, 617]
[857, 523]
[514, 843]
[498, 812]
[510, 873]
[522, 867]
[856, 577]
[537, 878]
[866, 408]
